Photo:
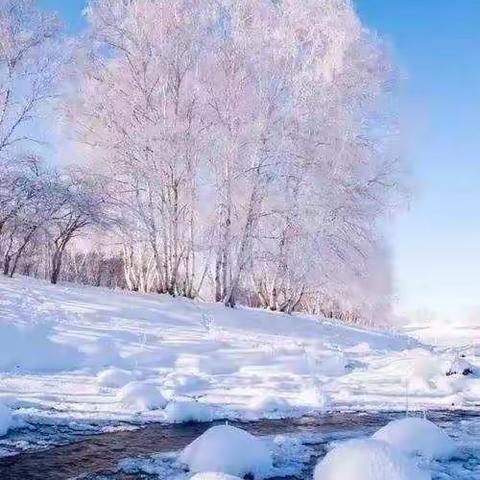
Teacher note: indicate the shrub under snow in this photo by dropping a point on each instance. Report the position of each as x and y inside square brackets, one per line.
[417, 436]
[367, 460]
[229, 450]
[188, 411]
[114, 377]
[5, 419]
[141, 396]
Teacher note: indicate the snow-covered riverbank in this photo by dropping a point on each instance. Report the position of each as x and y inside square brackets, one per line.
[70, 353]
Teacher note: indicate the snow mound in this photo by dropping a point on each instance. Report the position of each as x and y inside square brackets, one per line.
[141, 397]
[188, 411]
[214, 476]
[417, 436]
[114, 377]
[269, 404]
[228, 450]
[367, 460]
[5, 419]
[30, 348]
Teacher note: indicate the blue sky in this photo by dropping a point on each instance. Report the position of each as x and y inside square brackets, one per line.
[437, 242]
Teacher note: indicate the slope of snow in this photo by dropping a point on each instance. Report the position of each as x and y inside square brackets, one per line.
[417, 436]
[367, 460]
[68, 350]
[229, 450]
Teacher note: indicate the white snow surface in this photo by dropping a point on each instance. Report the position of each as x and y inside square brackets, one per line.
[417, 436]
[5, 419]
[367, 460]
[230, 450]
[66, 351]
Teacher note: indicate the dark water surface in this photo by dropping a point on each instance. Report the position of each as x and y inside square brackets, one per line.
[92, 455]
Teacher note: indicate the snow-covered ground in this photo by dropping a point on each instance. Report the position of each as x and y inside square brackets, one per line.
[71, 353]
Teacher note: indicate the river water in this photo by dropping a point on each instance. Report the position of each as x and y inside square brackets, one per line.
[53, 452]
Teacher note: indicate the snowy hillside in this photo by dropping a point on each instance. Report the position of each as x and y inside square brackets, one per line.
[69, 352]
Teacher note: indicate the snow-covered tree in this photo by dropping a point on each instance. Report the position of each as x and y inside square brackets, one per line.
[244, 148]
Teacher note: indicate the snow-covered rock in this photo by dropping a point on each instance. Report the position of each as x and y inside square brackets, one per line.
[5, 419]
[214, 476]
[230, 450]
[188, 411]
[141, 397]
[417, 436]
[367, 460]
[114, 377]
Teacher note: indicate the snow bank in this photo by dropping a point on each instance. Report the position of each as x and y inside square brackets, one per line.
[214, 476]
[114, 377]
[30, 348]
[188, 411]
[417, 436]
[229, 450]
[367, 460]
[141, 397]
[5, 419]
